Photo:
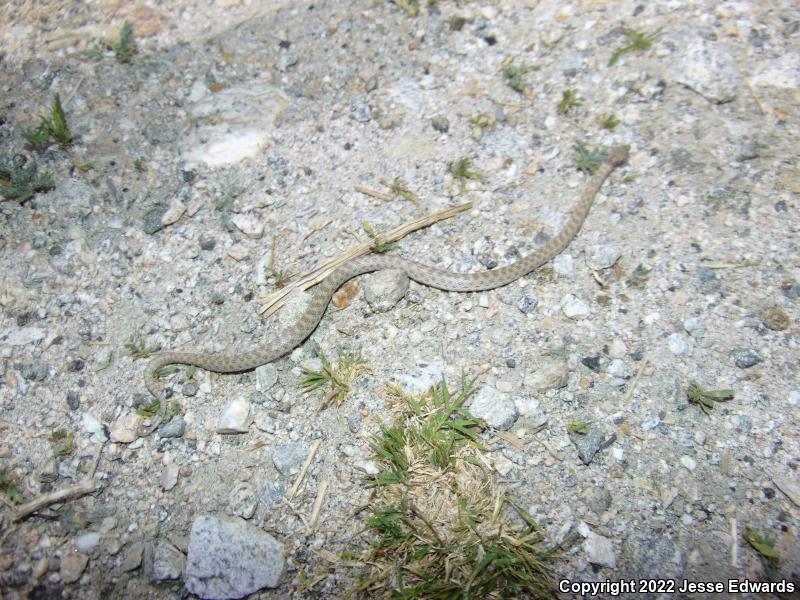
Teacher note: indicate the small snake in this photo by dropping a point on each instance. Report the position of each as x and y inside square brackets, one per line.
[424, 274]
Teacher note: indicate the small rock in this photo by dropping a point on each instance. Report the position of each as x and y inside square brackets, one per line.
[152, 219]
[288, 458]
[286, 60]
[22, 336]
[238, 252]
[87, 542]
[249, 225]
[497, 409]
[551, 375]
[173, 213]
[384, 289]
[132, 557]
[266, 377]
[600, 257]
[774, 318]
[599, 550]
[744, 358]
[367, 466]
[235, 418]
[617, 349]
[231, 559]
[679, 344]
[174, 429]
[168, 562]
[72, 567]
[688, 462]
[709, 68]
[574, 308]
[788, 487]
[94, 428]
[242, 500]
[528, 303]
[440, 124]
[124, 429]
[616, 368]
[589, 443]
[169, 476]
[564, 265]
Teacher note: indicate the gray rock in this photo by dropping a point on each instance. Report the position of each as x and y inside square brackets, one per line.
[599, 550]
[564, 265]
[231, 559]
[288, 458]
[651, 555]
[384, 289]
[168, 562]
[706, 67]
[440, 124]
[590, 443]
[494, 407]
[72, 567]
[152, 219]
[286, 60]
[551, 375]
[174, 429]
[679, 344]
[527, 303]
[422, 377]
[266, 377]
[602, 256]
[574, 308]
[132, 556]
[744, 358]
[242, 500]
[22, 336]
[169, 476]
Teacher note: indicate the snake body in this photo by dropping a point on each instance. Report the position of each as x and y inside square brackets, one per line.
[421, 273]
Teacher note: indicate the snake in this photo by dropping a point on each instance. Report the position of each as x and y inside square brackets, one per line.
[296, 334]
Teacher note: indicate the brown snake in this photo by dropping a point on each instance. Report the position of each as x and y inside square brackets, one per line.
[424, 274]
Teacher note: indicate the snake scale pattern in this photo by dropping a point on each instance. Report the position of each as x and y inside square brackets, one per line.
[424, 274]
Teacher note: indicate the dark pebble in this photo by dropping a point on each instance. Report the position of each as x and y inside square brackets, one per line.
[744, 358]
[487, 261]
[591, 362]
[528, 303]
[440, 124]
[75, 366]
[31, 372]
[207, 243]
[190, 389]
[152, 220]
[792, 291]
[73, 400]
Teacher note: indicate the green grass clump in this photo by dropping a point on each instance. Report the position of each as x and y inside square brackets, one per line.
[609, 122]
[462, 169]
[588, 160]
[569, 100]
[379, 246]
[338, 378]
[51, 128]
[125, 47]
[439, 524]
[636, 41]
[19, 178]
[9, 488]
[137, 348]
[706, 399]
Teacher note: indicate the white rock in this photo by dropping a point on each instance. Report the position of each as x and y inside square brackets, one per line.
[174, 212]
[564, 264]
[22, 336]
[688, 462]
[94, 428]
[617, 349]
[602, 256]
[169, 476]
[494, 407]
[599, 550]
[87, 542]
[124, 430]
[249, 225]
[574, 308]
[235, 418]
[238, 252]
[679, 344]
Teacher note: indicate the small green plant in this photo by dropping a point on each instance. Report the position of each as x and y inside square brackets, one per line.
[636, 41]
[609, 122]
[639, 276]
[64, 441]
[9, 488]
[52, 128]
[588, 160]
[137, 349]
[19, 179]
[379, 246]
[439, 524]
[281, 276]
[577, 426]
[706, 399]
[125, 47]
[761, 544]
[139, 165]
[154, 408]
[398, 188]
[515, 78]
[569, 100]
[338, 379]
[411, 7]
[461, 169]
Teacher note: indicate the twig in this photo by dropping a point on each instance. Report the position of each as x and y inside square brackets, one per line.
[755, 96]
[511, 439]
[373, 193]
[304, 470]
[734, 544]
[321, 492]
[73, 491]
[314, 230]
[275, 300]
[632, 386]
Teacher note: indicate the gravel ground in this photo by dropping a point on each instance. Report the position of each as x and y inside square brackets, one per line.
[227, 152]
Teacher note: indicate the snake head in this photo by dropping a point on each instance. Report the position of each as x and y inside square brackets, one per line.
[618, 155]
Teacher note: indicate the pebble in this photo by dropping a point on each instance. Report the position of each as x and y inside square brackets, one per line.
[564, 265]
[22, 336]
[132, 556]
[168, 562]
[574, 308]
[72, 566]
[744, 358]
[384, 289]
[266, 377]
[87, 542]
[679, 344]
[775, 319]
[600, 257]
[599, 550]
[124, 429]
[228, 558]
[235, 417]
[94, 428]
[249, 225]
[688, 462]
[174, 429]
[617, 349]
[550, 375]
[707, 67]
[173, 213]
[440, 124]
[589, 443]
[288, 458]
[169, 476]
[528, 303]
[494, 407]
[242, 500]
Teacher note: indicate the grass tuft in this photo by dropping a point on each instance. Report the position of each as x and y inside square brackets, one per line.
[569, 100]
[19, 179]
[706, 399]
[125, 47]
[338, 379]
[636, 41]
[588, 160]
[51, 128]
[439, 525]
